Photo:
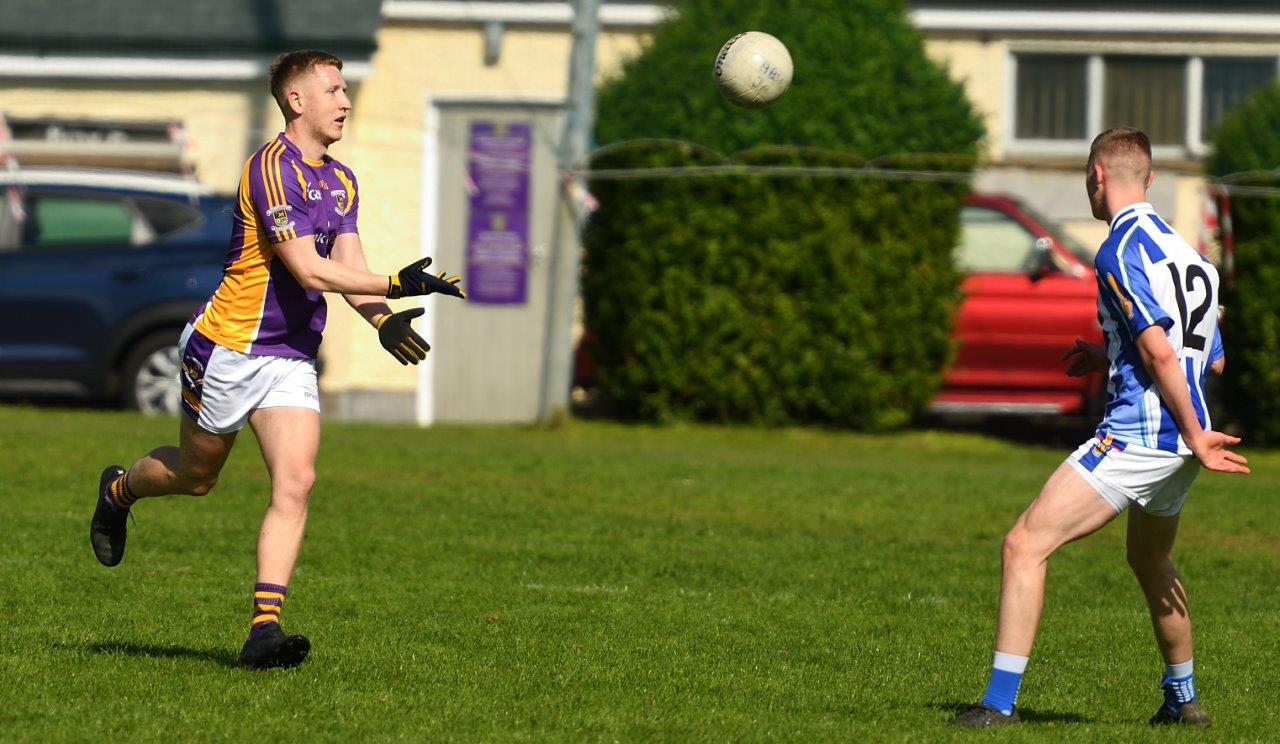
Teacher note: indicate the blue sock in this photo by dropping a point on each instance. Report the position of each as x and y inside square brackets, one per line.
[1006, 677]
[1178, 684]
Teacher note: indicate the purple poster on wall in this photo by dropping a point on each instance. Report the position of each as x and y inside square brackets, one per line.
[498, 222]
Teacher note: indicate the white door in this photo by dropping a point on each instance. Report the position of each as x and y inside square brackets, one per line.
[495, 194]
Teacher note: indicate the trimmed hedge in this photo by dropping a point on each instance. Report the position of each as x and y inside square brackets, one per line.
[769, 300]
[1248, 141]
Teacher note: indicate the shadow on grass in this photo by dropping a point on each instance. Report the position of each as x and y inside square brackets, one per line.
[1028, 715]
[222, 657]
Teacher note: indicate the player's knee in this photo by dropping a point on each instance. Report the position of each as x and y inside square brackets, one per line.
[296, 484]
[1020, 544]
[201, 485]
[1014, 544]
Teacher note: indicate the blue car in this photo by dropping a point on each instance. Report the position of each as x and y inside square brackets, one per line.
[99, 271]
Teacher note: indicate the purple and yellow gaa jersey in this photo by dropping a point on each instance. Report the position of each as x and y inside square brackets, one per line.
[260, 308]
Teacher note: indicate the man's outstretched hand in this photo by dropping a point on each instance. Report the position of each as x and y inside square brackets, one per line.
[1211, 450]
[1084, 357]
[398, 337]
[414, 280]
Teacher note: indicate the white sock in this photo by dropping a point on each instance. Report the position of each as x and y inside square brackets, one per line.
[1178, 671]
[1017, 664]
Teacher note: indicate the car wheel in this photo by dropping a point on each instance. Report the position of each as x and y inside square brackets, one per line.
[149, 376]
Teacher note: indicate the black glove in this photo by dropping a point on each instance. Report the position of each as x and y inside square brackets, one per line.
[414, 280]
[398, 337]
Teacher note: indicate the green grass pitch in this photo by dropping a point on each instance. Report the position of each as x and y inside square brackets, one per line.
[604, 582]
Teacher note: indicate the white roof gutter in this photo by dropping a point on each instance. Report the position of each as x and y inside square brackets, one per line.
[1128, 23]
[538, 14]
[147, 68]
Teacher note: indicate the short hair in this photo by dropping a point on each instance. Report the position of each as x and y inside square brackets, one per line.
[289, 66]
[1127, 148]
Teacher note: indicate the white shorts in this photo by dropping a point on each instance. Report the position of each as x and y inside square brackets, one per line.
[1155, 480]
[221, 387]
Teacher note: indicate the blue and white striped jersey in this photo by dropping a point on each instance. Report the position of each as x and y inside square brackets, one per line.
[1148, 275]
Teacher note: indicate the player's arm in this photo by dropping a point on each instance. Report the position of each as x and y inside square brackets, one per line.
[276, 189]
[1209, 446]
[347, 250]
[318, 274]
[395, 330]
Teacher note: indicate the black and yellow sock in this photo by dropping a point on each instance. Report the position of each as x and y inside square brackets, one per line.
[267, 601]
[120, 494]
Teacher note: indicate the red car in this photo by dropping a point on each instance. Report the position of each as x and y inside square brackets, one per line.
[1029, 292]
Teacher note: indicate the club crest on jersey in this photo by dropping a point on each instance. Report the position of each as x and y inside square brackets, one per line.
[1125, 303]
[280, 216]
[340, 197]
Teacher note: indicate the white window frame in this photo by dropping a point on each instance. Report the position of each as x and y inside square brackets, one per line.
[1193, 144]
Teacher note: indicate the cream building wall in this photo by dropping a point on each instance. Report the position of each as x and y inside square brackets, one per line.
[415, 63]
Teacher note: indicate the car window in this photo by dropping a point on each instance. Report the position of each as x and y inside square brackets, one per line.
[168, 216]
[993, 241]
[77, 219]
[1076, 247]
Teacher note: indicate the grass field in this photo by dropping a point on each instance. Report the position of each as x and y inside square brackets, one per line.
[601, 582]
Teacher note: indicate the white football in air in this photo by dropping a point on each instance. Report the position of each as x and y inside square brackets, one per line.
[753, 69]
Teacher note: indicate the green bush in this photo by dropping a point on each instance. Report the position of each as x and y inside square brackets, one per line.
[769, 300]
[773, 299]
[1248, 142]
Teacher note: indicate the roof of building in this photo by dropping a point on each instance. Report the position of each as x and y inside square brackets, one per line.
[194, 27]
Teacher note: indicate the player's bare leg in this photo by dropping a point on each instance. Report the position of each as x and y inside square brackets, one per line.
[1150, 550]
[289, 438]
[1150, 546]
[190, 468]
[1067, 509]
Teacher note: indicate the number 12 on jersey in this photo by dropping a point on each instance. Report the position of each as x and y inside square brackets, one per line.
[1195, 274]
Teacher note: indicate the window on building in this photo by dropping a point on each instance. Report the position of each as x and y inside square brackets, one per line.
[1149, 93]
[992, 241]
[1050, 97]
[1227, 82]
[1057, 99]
